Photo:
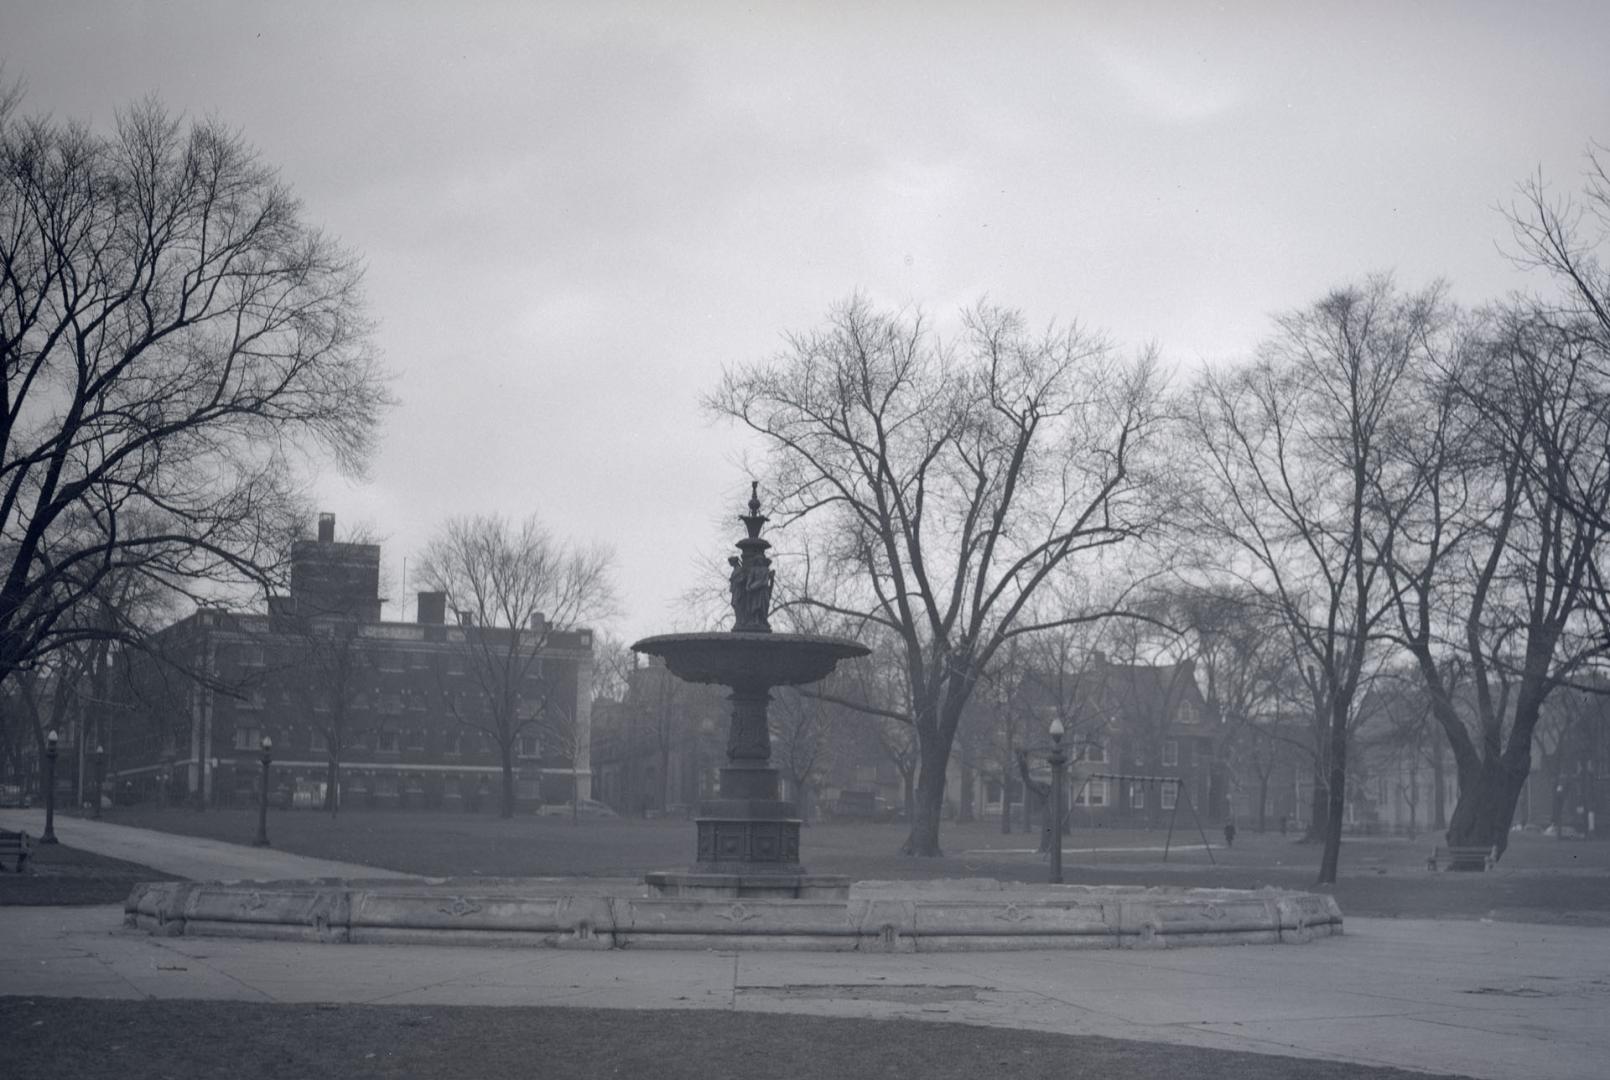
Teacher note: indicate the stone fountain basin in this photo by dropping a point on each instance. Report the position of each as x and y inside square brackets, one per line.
[731, 658]
[877, 916]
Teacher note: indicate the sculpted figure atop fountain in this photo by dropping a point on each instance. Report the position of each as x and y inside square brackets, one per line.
[752, 577]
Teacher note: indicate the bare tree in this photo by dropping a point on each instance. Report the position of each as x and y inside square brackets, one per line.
[1290, 451]
[1508, 471]
[803, 731]
[175, 340]
[514, 586]
[943, 486]
[338, 679]
[613, 663]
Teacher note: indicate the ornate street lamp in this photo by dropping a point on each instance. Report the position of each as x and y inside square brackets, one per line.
[1059, 763]
[262, 805]
[100, 779]
[50, 788]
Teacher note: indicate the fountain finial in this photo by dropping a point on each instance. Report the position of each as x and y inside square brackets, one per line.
[750, 582]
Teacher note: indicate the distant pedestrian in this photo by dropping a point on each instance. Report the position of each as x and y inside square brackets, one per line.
[1229, 834]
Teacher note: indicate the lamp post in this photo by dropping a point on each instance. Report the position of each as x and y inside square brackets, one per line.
[50, 788]
[262, 805]
[1059, 763]
[100, 779]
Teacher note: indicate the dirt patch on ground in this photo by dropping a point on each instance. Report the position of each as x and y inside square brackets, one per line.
[130, 1040]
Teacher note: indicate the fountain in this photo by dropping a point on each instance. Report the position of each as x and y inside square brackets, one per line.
[746, 888]
[748, 836]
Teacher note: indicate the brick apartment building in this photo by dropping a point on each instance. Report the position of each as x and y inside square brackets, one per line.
[320, 666]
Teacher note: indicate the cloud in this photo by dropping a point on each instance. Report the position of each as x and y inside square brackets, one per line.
[1168, 86]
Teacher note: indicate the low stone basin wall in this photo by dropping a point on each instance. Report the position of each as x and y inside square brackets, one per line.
[878, 916]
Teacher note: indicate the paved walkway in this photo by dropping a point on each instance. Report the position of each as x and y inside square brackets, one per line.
[186, 856]
[1485, 999]
[1463, 997]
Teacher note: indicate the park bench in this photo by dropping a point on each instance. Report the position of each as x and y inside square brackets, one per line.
[15, 845]
[1462, 858]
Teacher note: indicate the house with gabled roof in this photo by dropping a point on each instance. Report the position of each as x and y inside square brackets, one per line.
[1141, 738]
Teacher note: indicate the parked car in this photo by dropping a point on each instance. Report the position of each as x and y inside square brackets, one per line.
[584, 808]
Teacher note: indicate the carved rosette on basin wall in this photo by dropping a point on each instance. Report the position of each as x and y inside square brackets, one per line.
[748, 837]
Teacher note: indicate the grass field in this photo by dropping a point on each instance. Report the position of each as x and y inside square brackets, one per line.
[1538, 880]
[58, 874]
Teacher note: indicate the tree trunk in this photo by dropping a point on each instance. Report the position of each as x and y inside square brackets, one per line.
[1439, 791]
[332, 786]
[929, 805]
[1006, 804]
[1318, 807]
[1486, 806]
[964, 811]
[1263, 802]
[1414, 798]
[506, 809]
[1336, 803]
[665, 778]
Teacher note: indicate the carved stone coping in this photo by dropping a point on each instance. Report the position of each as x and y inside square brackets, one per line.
[876, 919]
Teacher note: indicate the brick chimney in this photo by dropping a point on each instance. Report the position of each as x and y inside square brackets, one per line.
[432, 608]
[326, 528]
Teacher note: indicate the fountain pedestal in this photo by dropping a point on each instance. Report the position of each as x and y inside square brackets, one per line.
[748, 845]
[748, 836]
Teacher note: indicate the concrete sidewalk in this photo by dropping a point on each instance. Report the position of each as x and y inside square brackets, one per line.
[1497, 1000]
[186, 856]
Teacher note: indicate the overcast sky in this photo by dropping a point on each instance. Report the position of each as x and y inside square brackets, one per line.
[575, 214]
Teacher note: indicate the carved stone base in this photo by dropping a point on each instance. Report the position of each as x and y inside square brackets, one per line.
[757, 841]
[748, 884]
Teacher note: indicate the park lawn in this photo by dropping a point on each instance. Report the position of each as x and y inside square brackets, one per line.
[57, 874]
[1540, 880]
[129, 1040]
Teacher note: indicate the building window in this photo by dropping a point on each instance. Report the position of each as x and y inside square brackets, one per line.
[528, 746]
[1137, 797]
[450, 741]
[1171, 754]
[1170, 795]
[386, 742]
[1094, 793]
[248, 738]
[1092, 752]
[416, 739]
[317, 741]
